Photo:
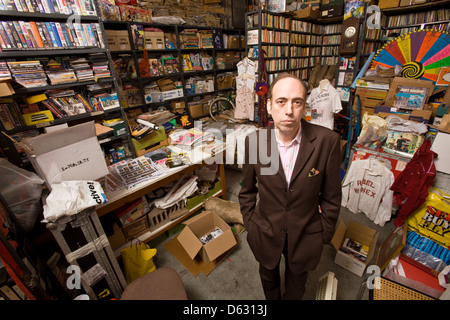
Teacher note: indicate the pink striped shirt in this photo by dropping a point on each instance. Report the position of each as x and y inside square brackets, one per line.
[288, 154]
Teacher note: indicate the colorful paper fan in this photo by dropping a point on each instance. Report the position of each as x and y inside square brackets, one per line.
[421, 54]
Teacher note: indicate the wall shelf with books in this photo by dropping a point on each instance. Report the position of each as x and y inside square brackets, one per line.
[60, 71]
[293, 45]
[296, 43]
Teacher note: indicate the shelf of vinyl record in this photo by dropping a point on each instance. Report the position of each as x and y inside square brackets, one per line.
[406, 23]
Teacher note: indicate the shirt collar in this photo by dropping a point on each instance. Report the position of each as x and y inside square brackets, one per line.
[297, 138]
[374, 166]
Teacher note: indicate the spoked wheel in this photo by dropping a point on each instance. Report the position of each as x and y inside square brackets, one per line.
[219, 105]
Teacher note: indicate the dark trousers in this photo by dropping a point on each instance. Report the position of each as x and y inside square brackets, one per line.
[271, 281]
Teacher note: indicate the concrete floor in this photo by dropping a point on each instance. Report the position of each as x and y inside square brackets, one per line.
[237, 277]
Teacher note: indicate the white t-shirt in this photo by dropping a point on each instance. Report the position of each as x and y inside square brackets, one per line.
[324, 103]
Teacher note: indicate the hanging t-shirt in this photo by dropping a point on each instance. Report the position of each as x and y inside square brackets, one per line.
[366, 189]
[324, 101]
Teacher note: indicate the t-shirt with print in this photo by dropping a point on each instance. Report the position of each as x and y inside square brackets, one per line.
[324, 104]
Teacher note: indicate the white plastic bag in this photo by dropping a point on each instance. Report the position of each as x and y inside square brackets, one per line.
[22, 191]
[70, 197]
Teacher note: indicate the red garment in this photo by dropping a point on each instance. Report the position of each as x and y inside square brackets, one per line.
[411, 186]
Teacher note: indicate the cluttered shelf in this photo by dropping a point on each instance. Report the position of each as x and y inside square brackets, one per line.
[122, 196]
[162, 226]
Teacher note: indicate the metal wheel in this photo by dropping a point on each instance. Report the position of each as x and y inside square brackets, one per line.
[219, 105]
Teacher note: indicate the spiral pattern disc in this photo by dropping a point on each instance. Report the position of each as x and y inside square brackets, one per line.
[412, 70]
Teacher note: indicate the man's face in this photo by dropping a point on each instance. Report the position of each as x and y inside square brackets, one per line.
[287, 106]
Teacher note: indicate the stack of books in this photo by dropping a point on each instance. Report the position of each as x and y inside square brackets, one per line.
[206, 39]
[82, 69]
[5, 74]
[28, 73]
[100, 67]
[189, 39]
[58, 74]
[64, 104]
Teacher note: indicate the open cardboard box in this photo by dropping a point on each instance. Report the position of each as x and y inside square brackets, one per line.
[72, 153]
[357, 232]
[194, 255]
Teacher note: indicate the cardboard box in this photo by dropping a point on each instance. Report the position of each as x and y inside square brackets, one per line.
[404, 3]
[371, 93]
[332, 10]
[136, 228]
[308, 12]
[6, 89]
[386, 4]
[132, 211]
[154, 39]
[112, 40]
[201, 225]
[422, 116]
[359, 233]
[198, 110]
[71, 153]
[122, 40]
[444, 126]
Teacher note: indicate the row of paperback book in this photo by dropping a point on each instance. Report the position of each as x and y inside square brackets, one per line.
[32, 35]
[79, 7]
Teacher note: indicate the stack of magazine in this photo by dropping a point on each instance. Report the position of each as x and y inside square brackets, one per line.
[58, 74]
[82, 69]
[4, 71]
[28, 73]
[100, 66]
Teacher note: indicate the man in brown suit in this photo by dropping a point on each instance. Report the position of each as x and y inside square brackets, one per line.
[293, 167]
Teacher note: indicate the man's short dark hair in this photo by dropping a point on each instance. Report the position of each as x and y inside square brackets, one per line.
[285, 75]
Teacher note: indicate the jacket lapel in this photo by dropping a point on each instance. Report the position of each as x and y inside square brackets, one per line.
[306, 149]
[272, 140]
